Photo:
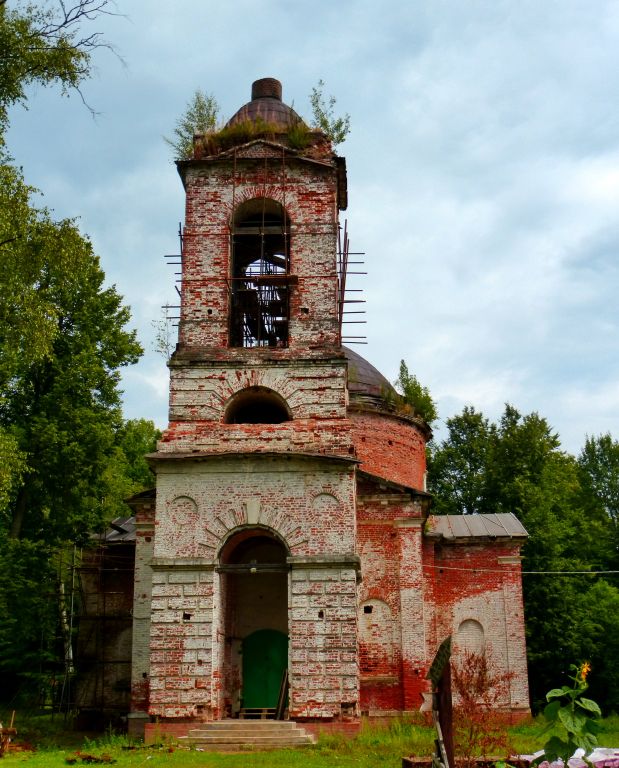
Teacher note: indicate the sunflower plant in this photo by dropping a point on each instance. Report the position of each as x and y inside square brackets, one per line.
[574, 714]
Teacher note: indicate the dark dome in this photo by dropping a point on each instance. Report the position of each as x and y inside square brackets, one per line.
[366, 384]
[266, 104]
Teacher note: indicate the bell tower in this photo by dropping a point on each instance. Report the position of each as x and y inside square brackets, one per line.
[252, 547]
[259, 263]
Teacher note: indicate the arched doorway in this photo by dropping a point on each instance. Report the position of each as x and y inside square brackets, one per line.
[254, 585]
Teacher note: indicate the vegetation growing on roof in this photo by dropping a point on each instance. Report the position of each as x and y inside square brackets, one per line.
[417, 398]
[200, 116]
[335, 128]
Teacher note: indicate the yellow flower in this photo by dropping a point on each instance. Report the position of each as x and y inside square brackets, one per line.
[585, 668]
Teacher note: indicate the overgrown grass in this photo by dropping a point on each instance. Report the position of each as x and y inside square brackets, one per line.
[375, 745]
[530, 735]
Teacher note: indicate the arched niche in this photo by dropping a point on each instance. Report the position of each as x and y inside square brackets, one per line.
[376, 637]
[470, 637]
[256, 405]
[260, 274]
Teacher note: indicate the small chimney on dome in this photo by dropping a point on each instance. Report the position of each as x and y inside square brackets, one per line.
[266, 88]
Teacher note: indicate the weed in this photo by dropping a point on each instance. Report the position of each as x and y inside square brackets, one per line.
[479, 729]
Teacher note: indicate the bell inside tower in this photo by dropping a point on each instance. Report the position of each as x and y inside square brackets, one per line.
[260, 270]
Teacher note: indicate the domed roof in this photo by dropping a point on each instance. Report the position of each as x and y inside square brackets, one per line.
[367, 384]
[266, 104]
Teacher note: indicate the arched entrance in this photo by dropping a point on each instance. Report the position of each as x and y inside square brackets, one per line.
[254, 586]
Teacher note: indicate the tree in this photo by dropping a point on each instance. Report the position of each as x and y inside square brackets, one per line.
[335, 128]
[42, 45]
[66, 456]
[599, 465]
[127, 471]
[62, 405]
[415, 395]
[459, 466]
[200, 117]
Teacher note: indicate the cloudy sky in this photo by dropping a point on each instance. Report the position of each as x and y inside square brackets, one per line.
[483, 172]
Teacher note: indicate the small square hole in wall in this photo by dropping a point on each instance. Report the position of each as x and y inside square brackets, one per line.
[367, 608]
[186, 616]
[321, 614]
[209, 311]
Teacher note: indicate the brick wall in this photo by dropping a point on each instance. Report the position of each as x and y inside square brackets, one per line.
[390, 447]
[308, 193]
[481, 582]
[142, 595]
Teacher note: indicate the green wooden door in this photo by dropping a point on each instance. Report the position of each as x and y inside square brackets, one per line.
[265, 657]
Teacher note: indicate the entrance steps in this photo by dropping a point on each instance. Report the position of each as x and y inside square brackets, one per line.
[236, 735]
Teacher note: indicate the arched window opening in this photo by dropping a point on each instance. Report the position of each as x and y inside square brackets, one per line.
[254, 547]
[260, 272]
[257, 405]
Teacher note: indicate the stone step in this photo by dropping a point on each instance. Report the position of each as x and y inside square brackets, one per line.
[246, 739]
[247, 725]
[247, 734]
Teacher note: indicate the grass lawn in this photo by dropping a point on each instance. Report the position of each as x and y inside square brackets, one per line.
[375, 746]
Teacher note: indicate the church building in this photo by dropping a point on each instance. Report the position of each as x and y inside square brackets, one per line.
[288, 564]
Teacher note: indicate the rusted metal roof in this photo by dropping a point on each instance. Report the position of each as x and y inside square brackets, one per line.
[121, 531]
[458, 527]
[266, 104]
[365, 380]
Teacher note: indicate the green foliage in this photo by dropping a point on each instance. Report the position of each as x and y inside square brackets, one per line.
[127, 471]
[299, 136]
[12, 466]
[64, 469]
[459, 467]
[576, 715]
[28, 322]
[60, 401]
[415, 395]
[45, 46]
[599, 467]
[29, 616]
[200, 117]
[66, 456]
[335, 128]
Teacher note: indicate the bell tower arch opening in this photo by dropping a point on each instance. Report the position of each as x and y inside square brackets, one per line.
[254, 587]
[260, 268]
[256, 405]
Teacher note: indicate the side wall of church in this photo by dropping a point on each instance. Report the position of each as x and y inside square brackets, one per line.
[392, 646]
[389, 447]
[476, 591]
[142, 596]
